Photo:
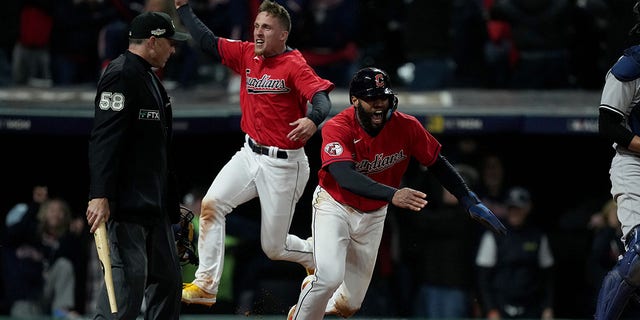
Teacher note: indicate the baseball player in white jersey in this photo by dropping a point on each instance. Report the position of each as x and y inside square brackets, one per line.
[276, 85]
[619, 121]
[366, 149]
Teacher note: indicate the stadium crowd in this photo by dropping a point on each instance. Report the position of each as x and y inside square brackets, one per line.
[427, 45]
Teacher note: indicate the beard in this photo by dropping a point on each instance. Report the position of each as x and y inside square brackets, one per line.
[365, 119]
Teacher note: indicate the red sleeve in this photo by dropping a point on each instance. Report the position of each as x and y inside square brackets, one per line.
[232, 53]
[426, 147]
[337, 144]
[308, 82]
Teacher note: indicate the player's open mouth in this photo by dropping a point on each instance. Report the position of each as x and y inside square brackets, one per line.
[259, 42]
[376, 117]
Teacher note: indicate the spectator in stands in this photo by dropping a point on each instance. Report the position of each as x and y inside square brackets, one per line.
[31, 58]
[113, 38]
[500, 53]
[327, 39]
[21, 255]
[61, 245]
[10, 24]
[428, 43]
[467, 151]
[469, 36]
[39, 272]
[444, 282]
[74, 48]
[493, 184]
[444, 43]
[182, 67]
[381, 44]
[606, 246]
[588, 42]
[541, 35]
[515, 272]
[225, 18]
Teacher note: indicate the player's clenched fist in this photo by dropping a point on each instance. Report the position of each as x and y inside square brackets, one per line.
[408, 198]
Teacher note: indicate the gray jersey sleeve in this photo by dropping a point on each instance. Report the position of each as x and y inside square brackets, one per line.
[620, 96]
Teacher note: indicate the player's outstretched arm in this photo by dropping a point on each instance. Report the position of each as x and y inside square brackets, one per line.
[479, 212]
[200, 33]
[408, 198]
[453, 182]
[348, 178]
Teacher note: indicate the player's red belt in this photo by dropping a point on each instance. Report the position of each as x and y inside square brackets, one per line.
[280, 154]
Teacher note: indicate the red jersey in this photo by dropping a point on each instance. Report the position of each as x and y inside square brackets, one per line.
[274, 91]
[384, 158]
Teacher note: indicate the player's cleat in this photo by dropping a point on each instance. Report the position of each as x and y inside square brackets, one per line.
[292, 311]
[191, 293]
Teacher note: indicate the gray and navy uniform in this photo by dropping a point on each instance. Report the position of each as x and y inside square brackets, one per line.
[129, 164]
[619, 121]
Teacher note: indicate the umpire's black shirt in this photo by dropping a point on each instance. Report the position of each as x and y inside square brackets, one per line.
[129, 145]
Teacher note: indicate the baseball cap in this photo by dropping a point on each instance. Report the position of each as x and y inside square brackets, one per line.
[518, 197]
[157, 24]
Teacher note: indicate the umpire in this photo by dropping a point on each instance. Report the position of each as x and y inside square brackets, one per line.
[132, 187]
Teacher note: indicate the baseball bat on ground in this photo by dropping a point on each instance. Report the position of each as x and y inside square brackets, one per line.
[102, 246]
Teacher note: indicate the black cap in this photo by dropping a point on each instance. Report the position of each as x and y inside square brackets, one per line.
[157, 24]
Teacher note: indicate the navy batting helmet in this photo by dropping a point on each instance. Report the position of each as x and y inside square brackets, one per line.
[372, 82]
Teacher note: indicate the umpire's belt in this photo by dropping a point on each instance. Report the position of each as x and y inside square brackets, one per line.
[269, 151]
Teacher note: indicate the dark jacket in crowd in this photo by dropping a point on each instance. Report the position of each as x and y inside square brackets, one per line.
[517, 278]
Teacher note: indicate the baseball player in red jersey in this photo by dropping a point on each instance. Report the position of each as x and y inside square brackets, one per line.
[276, 85]
[365, 152]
